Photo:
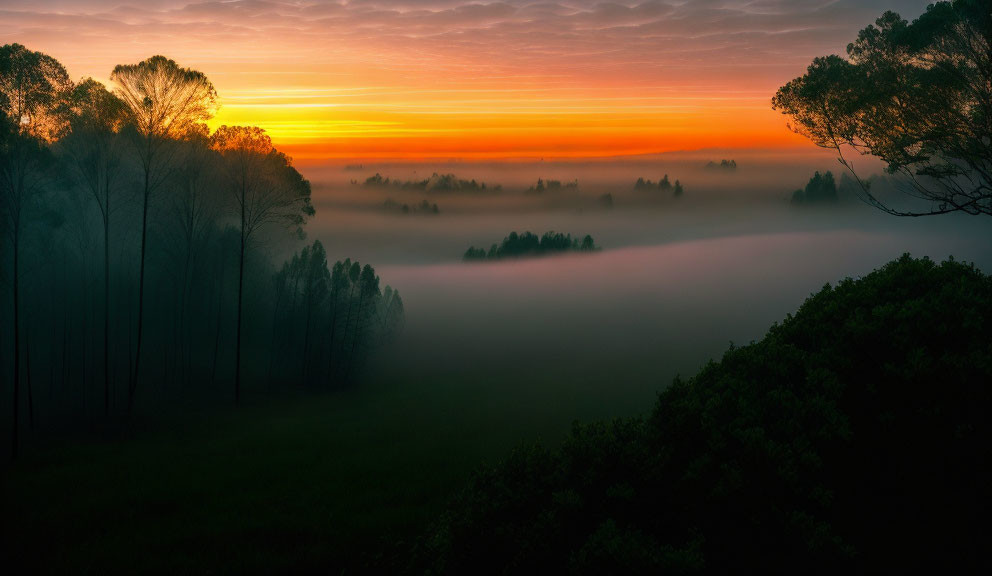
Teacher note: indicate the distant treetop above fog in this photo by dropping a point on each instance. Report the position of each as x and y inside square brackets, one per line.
[437, 183]
[726, 165]
[529, 244]
[821, 189]
[552, 186]
[663, 185]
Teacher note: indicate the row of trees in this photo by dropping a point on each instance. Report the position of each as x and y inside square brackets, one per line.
[326, 320]
[552, 186]
[664, 185]
[437, 183]
[424, 207]
[131, 234]
[725, 165]
[530, 244]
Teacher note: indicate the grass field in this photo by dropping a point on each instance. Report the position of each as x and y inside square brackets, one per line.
[307, 482]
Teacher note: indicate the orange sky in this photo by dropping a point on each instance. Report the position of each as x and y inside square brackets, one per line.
[470, 79]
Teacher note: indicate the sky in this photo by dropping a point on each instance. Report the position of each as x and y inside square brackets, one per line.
[469, 78]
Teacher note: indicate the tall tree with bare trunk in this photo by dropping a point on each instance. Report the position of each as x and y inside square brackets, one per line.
[33, 88]
[168, 103]
[265, 191]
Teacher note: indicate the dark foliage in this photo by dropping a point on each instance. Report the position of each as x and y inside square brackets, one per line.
[552, 186]
[725, 165]
[436, 184]
[916, 95]
[663, 185]
[852, 438]
[821, 189]
[326, 320]
[424, 207]
[529, 244]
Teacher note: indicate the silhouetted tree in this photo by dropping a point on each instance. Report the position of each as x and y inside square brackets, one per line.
[918, 96]
[33, 88]
[820, 189]
[529, 244]
[167, 102]
[315, 289]
[92, 153]
[266, 190]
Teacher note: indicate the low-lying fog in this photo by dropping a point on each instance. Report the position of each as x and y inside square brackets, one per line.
[597, 335]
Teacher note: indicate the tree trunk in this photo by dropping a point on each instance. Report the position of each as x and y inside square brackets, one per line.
[275, 325]
[27, 369]
[17, 335]
[358, 332]
[106, 306]
[306, 338]
[241, 282]
[330, 348]
[141, 296]
[220, 318]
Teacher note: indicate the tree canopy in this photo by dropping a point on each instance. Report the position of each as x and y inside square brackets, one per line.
[166, 100]
[916, 95]
[33, 87]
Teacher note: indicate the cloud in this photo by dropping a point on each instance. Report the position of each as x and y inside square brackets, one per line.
[414, 56]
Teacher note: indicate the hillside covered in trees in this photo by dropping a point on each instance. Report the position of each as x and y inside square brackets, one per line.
[852, 437]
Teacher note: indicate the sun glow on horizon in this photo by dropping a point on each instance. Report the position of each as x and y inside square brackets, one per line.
[464, 79]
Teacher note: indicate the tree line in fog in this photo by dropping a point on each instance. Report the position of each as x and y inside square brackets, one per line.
[137, 247]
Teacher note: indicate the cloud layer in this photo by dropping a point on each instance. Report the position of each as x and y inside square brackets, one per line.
[460, 56]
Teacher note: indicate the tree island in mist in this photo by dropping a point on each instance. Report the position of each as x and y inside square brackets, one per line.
[204, 370]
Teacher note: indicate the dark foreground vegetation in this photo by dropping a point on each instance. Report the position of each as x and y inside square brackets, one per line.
[530, 244]
[852, 438]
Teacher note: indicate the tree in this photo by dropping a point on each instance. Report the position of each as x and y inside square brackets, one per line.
[918, 96]
[33, 87]
[195, 205]
[665, 184]
[368, 293]
[315, 289]
[820, 189]
[266, 190]
[340, 285]
[91, 153]
[167, 103]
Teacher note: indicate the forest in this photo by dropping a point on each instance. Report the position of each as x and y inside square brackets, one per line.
[141, 252]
